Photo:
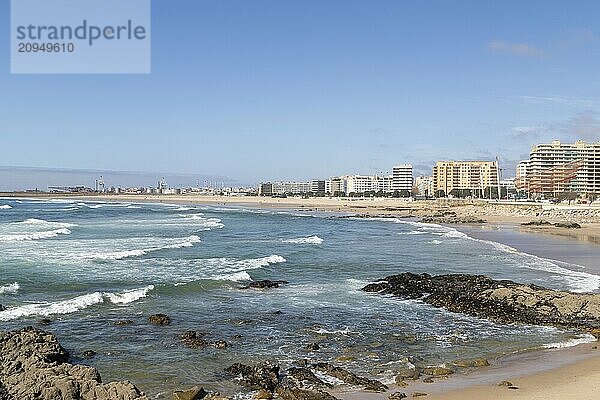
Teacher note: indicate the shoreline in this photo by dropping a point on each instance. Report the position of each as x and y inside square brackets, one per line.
[541, 373]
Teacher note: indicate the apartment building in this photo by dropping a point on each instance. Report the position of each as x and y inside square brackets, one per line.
[281, 188]
[424, 185]
[402, 176]
[460, 177]
[555, 168]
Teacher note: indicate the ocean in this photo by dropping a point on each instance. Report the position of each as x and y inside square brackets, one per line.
[85, 265]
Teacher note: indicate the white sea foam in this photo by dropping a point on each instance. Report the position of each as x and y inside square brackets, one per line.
[128, 296]
[17, 237]
[10, 289]
[345, 331]
[571, 342]
[5, 207]
[304, 240]
[412, 233]
[73, 305]
[436, 241]
[41, 222]
[207, 223]
[92, 206]
[235, 277]
[119, 255]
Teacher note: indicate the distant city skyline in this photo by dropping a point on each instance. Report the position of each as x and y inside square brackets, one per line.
[268, 90]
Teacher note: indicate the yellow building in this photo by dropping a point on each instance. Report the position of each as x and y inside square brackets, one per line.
[461, 178]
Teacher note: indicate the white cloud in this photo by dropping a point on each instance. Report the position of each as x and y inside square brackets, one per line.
[517, 49]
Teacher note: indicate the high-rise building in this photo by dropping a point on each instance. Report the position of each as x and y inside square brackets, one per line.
[460, 177]
[555, 168]
[281, 188]
[402, 177]
[424, 185]
[317, 187]
[521, 176]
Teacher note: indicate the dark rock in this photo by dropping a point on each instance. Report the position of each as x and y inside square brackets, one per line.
[536, 223]
[159, 319]
[437, 371]
[474, 363]
[193, 339]
[123, 322]
[2, 308]
[265, 376]
[45, 321]
[88, 354]
[568, 225]
[304, 377]
[265, 284]
[290, 392]
[418, 394]
[452, 219]
[407, 373]
[505, 383]
[397, 396]
[195, 393]
[349, 377]
[503, 301]
[513, 387]
[33, 365]
[313, 347]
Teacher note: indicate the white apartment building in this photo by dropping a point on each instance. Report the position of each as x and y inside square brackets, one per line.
[402, 176]
[424, 185]
[281, 188]
[557, 167]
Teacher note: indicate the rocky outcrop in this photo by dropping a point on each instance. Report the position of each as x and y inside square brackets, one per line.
[502, 301]
[265, 284]
[193, 339]
[33, 365]
[349, 377]
[568, 225]
[159, 319]
[452, 219]
[265, 376]
[299, 383]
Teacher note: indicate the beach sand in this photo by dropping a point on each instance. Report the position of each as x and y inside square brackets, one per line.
[565, 374]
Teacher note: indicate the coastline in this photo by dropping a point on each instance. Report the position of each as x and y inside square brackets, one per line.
[536, 375]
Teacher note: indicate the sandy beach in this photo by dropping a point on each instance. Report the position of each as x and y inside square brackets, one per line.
[565, 374]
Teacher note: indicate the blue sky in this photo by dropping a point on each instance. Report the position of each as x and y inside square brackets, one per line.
[261, 90]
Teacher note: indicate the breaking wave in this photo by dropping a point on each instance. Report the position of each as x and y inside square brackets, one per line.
[34, 236]
[119, 255]
[11, 288]
[305, 240]
[207, 223]
[73, 305]
[5, 207]
[588, 338]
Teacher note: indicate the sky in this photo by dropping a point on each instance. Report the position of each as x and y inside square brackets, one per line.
[295, 90]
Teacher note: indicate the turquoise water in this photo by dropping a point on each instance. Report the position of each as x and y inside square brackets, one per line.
[85, 265]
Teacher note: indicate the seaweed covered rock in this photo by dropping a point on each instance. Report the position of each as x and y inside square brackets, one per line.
[499, 300]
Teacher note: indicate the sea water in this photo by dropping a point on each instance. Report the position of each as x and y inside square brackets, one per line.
[85, 265]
